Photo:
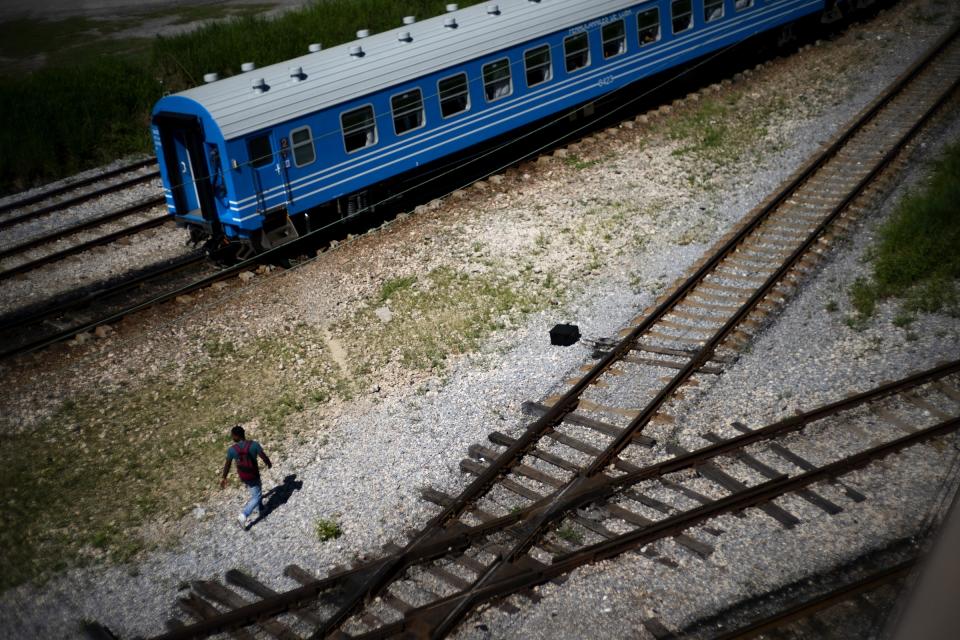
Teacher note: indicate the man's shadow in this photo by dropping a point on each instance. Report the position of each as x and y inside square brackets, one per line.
[277, 496]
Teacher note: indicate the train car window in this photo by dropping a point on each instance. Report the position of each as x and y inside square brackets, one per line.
[614, 39]
[259, 151]
[537, 63]
[301, 141]
[681, 14]
[648, 25]
[496, 80]
[359, 128]
[407, 111]
[740, 5]
[576, 51]
[454, 95]
[712, 10]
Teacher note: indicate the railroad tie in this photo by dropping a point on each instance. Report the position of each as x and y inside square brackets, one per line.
[657, 630]
[926, 405]
[304, 577]
[248, 583]
[614, 510]
[623, 465]
[667, 364]
[771, 473]
[715, 474]
[444, 500]
[538, 409]
[471, 564]
[892, 418]
[947, 390]
[451, 579]
[791, 457]
[96, 631]
[203, 610]
[475, 468]
[174, 624]
[220, 594]
[665, 351]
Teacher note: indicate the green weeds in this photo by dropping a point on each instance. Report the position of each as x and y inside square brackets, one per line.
[327, 529]
[570, 534]
[722, 129]
[395, 285]
[578, 163]
[915, 258]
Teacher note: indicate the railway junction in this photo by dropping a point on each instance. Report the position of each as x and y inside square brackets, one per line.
[726, 430]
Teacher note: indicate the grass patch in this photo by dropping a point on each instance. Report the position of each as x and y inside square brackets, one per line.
[579, 163]
[446, 313]
[394, 285]
[570, 534]
[915, 258]
[718, 129]
[92, 103]
[327, 529]
[85, 480]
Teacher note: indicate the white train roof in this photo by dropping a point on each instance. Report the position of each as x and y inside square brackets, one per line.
[333, 76]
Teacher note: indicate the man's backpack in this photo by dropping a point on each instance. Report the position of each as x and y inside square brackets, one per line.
[247, 467]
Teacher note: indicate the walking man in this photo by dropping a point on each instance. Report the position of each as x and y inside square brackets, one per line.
[246, 452]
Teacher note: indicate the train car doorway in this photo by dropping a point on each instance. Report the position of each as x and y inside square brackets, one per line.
[187, 170]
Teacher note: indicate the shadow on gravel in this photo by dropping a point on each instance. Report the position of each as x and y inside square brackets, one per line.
[277, 497]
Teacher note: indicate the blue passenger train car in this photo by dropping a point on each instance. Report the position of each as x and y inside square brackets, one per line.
[260, 158]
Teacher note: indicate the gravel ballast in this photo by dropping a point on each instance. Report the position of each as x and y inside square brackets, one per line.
[364, 461]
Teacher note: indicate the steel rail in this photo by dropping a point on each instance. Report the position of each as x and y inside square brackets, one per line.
[154, 300]
[531, 573]
[824, 601]
[84, 246]
[461, 538]
[83, 225]
[36, 314]
[589, 477]
[51, 193]
[75, 200]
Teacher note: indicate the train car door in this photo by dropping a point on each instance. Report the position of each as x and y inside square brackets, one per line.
[265, 171]
[187, 169]
[187, 179]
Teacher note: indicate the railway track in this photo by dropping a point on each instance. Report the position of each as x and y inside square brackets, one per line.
[803, 613]
[23, 262]
[53, 321]
[588, 450]
[55, 199]
[35, 237]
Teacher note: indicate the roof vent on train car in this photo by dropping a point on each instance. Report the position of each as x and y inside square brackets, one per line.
[404, 36]
[259, 85]
[315, 47]
[356, 51]
[450, 23]
[493, 9]
[363, 33]
[211, 77]
[409, 19]
[452, 7]
[248, 66]
[297, 74]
